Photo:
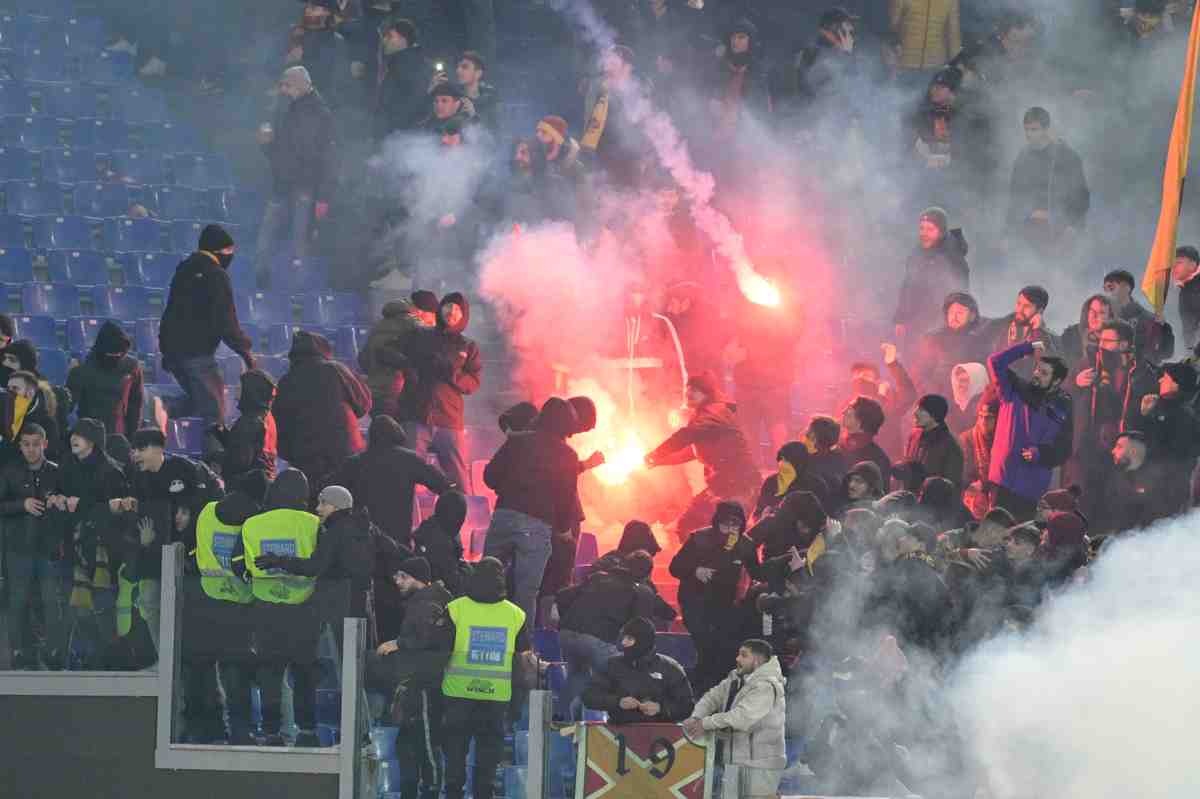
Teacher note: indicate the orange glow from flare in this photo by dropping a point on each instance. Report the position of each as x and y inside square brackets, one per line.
[758, 289]
[622, 461]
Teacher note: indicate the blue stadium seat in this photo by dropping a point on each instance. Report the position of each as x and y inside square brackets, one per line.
[54, 364]
[201, 171]
[85, 34]
[68, 100]
[244, 206]
[81, 267]
[41, 330]
[41, 29]
[10, 64]
[154, 269]
[545, 643]
[109, 67]
[31, 198]
[82, 332]
[64, 233]
[185, 234]
[12, 231]
[270, 307]
[169, 137]
[134, 235]
[14, 99]
[299, 275]
[145, 336]
[103, 200]
[137, 167]
[347, 341]
[231, 369]
[139, 106]
[48, 63]
[16, 265]
[586, 550]
[102, 135]
[30, 131]
[274, 365]
[67, 165]
[128, 302]
[275, 338]
[53, 299]
[178, 202]
[15, 163]
[186, 434]
[479, 513]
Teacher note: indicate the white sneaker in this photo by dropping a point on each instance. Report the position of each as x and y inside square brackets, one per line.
[154, 68]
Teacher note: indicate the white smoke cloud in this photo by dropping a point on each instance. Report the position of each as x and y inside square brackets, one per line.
[1097, 699]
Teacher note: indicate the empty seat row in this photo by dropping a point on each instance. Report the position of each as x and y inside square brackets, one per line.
[106, 135]
[80, 164]
[86, 267]
[62, 300]
[61, 63]
[321, 308]
[88, 233]
[76, 33]
[135, 104]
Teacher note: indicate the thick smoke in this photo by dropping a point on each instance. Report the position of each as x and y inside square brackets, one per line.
[1096, 698]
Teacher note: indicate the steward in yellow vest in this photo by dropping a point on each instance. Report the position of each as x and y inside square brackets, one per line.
[285, 528]
[220, 555]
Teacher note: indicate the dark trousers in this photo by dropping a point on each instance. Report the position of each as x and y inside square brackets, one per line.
[27, 573]
[202, 701]
[200, 379]
[418, 742]
[270, 682]
[463, 720]
[716, 649]
[236, 680]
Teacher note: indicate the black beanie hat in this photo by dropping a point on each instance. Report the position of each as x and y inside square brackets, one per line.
[1185, 375]
[937, 216]
[214, 238]
[641, 630]
[253, 484]
[93, 430]
[935, 405]
[26, 354]
[585, 413]
[1037, 295]
[804, 507]
[417, 568]
[1189, 252]
[148, 437]
[728, 511]
[425, 301]
[518, 418]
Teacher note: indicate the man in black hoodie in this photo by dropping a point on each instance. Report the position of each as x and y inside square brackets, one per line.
[200, 314]
[439, 541]
[938, 264]
[957, 341]
[108, 384]
[535, 477]
[793, 475]
[401, 101]
[446, 367]
[317, 408]
[252, 443]
[384, 477]
[709, 567]
[639, 685]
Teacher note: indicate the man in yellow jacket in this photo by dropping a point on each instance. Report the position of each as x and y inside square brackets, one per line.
[928, 29]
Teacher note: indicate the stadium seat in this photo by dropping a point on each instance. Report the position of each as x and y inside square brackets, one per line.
[270, 307]
[41, 330]
[586, 550]
[231, 369]
[53, 299]
[68, 100]
[347, 341]
[64, 233]
[12, 231]
[30, 131]
[82, 332]
[16, 265]
[32, 198]
[14, 99]
[178, 202]
[128, 302]
[186, 435]
[54, 364]
[274, 365]
[139, 106]
[276, 338]
[333, 308]
[237, 204]
[102, 135]
[15, 163]
[134, 235]
[679, 646]
[169, 137]
[185, 233]
[145, 336]
[137, 167]
[48, 63]
[81, 267]
[545, 643]
[110, 68]
[201, 171]
[479, 513]
[66, 165]
[84, 34]
[105, 200]
[299, 275]
[152, 269]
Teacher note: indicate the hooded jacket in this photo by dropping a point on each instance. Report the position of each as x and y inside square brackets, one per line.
[755, 720]
[714, 438]
[253, 441]
[318, 406]
[384, 358]
[770, 498]
[200, 312]
[447, 368]
[712, 549]
[43, 410]
[929, 32]
[603, 603]
[108, 385]
[643, 674]
[1027, 419]
[439, 541]
[929, 275]
[869, 472]
[536, 472]
[941, 349]
[1076, 341]
[938, 451]
[384, 478]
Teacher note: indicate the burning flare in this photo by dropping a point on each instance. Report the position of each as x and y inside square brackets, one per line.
[756, 288]
[622, 461]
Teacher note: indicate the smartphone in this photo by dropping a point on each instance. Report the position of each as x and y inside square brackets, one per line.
[439, 67]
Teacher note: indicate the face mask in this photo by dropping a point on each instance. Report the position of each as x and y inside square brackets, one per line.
[1111, 360]
[787, 475]
[225, 259]
[739, 59]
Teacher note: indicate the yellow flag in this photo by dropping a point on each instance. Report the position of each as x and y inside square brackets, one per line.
[1158, 269]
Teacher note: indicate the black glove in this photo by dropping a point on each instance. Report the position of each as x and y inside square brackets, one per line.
[267, 561]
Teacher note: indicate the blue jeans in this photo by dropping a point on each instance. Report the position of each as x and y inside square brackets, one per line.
[296, 210]
[200, 378]
[523, 544]
[450, 447]
[585, 654]
[51, 576]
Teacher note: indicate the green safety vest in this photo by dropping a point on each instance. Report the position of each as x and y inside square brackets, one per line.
[125, 590]
[485, 638]
[282, 531]
[215, 544]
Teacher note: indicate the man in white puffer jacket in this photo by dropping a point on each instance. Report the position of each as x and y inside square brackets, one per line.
[748, 709]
